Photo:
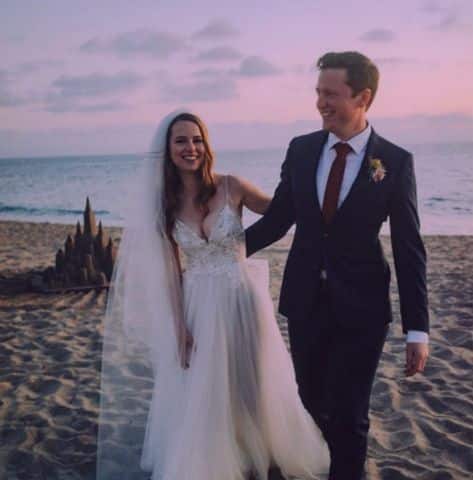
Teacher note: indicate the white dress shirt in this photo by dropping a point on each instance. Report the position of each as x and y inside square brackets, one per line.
[354, 160]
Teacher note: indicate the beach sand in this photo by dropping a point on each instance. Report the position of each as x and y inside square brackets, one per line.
[50, 347]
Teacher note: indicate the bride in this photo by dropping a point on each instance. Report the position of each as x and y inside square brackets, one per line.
[197, 383]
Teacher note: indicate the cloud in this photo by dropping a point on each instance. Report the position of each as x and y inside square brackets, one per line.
[394, 61]
[72, 93]
[4, 76]
[96, 84]
[138, 43]
[93, 45]
[8, 98]
[214, 90]
[11, 94]
[12, 38]
[216, 29]
[431, 6]
[26, 68]
[449, 21]
[449, 17]
[255, 66]
[10, 82]
[209, 73]
[67, 106]
[218, 54]
[34, 66]
[301, 69]
[378, 35]
[69, 92]
[102, 107]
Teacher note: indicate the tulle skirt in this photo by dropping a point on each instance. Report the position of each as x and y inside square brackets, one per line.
[236, 409]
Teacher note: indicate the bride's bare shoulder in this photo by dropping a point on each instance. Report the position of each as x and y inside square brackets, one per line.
[241, 185]
[233, 182]
[238, 184]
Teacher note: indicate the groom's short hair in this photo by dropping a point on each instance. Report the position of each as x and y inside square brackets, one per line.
[361, 71]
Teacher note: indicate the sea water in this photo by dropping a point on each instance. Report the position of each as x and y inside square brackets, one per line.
[54, 189]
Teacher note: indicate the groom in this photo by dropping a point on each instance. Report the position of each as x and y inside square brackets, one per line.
[338, 186]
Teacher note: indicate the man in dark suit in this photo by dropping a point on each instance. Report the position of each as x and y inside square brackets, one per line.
[338, 186]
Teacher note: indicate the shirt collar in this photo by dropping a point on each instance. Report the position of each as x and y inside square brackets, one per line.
[357, 143]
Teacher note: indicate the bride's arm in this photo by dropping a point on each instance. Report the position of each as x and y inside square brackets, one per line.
[244, 193]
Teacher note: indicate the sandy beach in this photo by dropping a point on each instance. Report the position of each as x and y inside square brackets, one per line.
[50, 347]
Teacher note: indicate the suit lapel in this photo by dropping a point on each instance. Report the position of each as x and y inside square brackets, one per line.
[311, 158]
[362, 178]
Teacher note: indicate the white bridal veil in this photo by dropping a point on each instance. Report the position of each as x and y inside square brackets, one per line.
[139, 337]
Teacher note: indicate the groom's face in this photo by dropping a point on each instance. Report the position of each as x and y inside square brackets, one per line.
[341, 111]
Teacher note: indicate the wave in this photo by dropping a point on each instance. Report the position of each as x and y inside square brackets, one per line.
[44, 211]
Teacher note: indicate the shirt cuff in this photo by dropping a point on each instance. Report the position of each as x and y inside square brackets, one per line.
[417, 336]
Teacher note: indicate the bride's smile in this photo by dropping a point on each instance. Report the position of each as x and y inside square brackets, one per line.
[187, 148]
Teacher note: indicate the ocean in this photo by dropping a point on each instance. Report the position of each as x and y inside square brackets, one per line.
[54, 189]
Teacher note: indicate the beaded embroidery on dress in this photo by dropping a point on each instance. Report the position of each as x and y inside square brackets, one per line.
[224, 247]
[236, 409]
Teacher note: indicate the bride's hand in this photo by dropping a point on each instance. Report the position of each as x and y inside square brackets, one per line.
[185, 348]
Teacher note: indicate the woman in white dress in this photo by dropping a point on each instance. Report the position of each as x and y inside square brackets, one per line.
[197, 383]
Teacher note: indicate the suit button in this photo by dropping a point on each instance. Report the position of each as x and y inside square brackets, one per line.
[325, 235]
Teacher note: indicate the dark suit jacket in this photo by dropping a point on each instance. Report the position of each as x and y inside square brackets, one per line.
[349, 249]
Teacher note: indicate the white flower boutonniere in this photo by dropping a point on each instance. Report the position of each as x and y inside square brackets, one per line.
[377, 170]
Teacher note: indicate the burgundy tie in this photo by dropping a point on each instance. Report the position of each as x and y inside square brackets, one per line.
[334, 182]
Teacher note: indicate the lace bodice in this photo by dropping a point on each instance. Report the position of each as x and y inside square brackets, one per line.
[220, 252]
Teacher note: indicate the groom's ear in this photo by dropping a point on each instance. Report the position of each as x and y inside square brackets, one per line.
[364, 98]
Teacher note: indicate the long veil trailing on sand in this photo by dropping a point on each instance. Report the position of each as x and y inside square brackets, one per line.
[139, 337]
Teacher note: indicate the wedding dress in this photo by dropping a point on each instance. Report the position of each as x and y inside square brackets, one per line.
[236, 409]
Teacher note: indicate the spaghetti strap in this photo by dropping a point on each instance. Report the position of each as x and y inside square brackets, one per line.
[225, 189]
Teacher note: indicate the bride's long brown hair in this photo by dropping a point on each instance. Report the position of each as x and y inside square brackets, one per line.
[173, 186]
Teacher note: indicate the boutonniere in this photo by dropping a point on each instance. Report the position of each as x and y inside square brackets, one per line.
[377, 170]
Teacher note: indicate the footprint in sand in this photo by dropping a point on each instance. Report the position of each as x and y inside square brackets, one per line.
[60, 354]
[45, 386]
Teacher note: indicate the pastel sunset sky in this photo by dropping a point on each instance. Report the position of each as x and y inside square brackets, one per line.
[90, 77]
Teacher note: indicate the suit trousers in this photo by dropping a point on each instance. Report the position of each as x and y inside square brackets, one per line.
[335, 368]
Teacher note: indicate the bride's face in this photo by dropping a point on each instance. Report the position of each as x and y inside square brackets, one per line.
[186, 147]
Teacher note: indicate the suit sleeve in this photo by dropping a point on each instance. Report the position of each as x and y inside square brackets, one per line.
[409, 251]
[279, 216]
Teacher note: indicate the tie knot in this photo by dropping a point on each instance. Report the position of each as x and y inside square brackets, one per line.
[342, 149]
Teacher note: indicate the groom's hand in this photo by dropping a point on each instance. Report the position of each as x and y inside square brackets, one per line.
[416, 357]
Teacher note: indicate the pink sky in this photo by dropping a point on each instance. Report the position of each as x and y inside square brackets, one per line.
[95, 77]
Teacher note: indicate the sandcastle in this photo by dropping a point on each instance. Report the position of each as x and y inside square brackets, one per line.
[87, 258]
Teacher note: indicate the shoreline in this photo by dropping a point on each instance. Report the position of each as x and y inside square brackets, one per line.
[120, 227]
[50, 360]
